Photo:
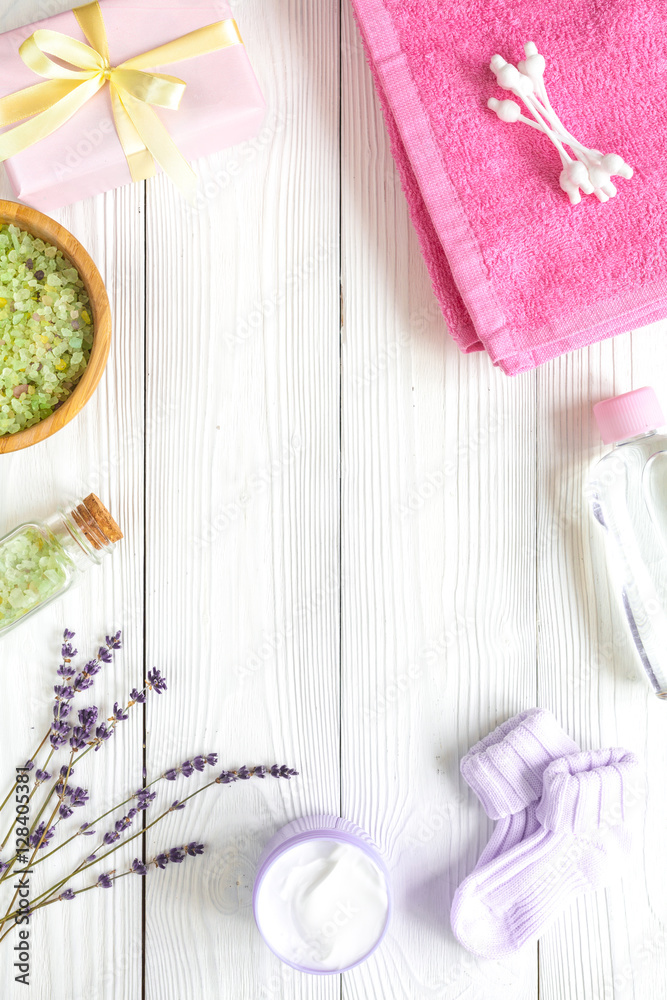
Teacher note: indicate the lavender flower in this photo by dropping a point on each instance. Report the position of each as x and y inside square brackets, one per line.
[60, 732]
[105, 881]
[3, 867]
[144, 798]
[138, 867]
[88, 716]
[175, 806]
[66, 650]
[156, 681]
[120, 826]
[85, 830]
[177, 854]
[137, 697]
[41, 776]
[28, 766]
[102, 734]
[78, 797]
[37, 835]
[244, 773]
[188, 767]
[283, 772]
[67, 894]
[118, 714]
[79, 738]
[84, 679]
[82, 682]
[65, 811]
[193, 849]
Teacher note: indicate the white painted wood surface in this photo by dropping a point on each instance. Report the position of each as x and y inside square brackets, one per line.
[349, 548]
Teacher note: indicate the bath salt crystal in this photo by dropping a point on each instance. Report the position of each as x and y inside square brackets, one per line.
[33, 568]
[42, 352]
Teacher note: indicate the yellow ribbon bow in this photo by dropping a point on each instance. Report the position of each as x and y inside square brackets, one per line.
[142, 135]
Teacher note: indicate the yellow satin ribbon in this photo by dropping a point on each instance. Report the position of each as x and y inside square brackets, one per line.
[143, 137]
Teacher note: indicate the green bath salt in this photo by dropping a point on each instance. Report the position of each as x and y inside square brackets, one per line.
[46, 329]
[33, 568]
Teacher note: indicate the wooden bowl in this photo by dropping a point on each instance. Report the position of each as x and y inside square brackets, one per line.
[48, 230]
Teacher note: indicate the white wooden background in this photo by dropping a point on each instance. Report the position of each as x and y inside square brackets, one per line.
[350, 548]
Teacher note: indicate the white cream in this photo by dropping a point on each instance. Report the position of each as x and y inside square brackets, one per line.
[323, 905]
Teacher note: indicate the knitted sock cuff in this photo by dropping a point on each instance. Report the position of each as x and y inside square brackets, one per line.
[590, 791]
[505, 768]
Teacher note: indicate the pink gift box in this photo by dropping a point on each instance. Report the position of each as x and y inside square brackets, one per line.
[222, 104]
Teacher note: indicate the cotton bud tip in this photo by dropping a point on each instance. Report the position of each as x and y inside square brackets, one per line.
[616, 166]
[497, 63]
[530, 48]
[507, 111]
[598, 175]
[509, 78]
[570, 189]
[577, 173]
[533, 67]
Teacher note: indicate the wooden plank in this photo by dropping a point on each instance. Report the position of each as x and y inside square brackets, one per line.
[90, 947]
[610, 944]
[438, 570]
[242, 504]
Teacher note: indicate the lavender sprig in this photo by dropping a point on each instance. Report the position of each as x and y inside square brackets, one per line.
[142, 799]
[174, 855]
[276, 771]
[243, 773]
[188, 767]
[73, 682]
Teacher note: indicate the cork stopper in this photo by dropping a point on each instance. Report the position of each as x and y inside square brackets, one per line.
[96, 522]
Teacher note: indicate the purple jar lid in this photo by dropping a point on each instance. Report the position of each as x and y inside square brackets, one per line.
[306, 830]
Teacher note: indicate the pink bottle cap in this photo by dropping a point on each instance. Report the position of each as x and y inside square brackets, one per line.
[626, 416]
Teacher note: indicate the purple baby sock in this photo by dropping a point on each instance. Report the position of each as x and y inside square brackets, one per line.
[580, 845]
[505, 771]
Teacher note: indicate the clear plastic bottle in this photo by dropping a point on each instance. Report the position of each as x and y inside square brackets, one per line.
[39, 562]
[628, 491]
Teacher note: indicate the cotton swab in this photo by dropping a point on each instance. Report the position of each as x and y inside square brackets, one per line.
[590, 171]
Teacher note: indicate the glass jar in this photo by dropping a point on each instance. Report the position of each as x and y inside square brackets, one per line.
[40, 561]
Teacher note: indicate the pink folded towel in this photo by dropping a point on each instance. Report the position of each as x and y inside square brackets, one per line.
[518, 271]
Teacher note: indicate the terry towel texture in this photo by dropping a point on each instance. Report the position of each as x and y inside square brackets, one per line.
[518, 271]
